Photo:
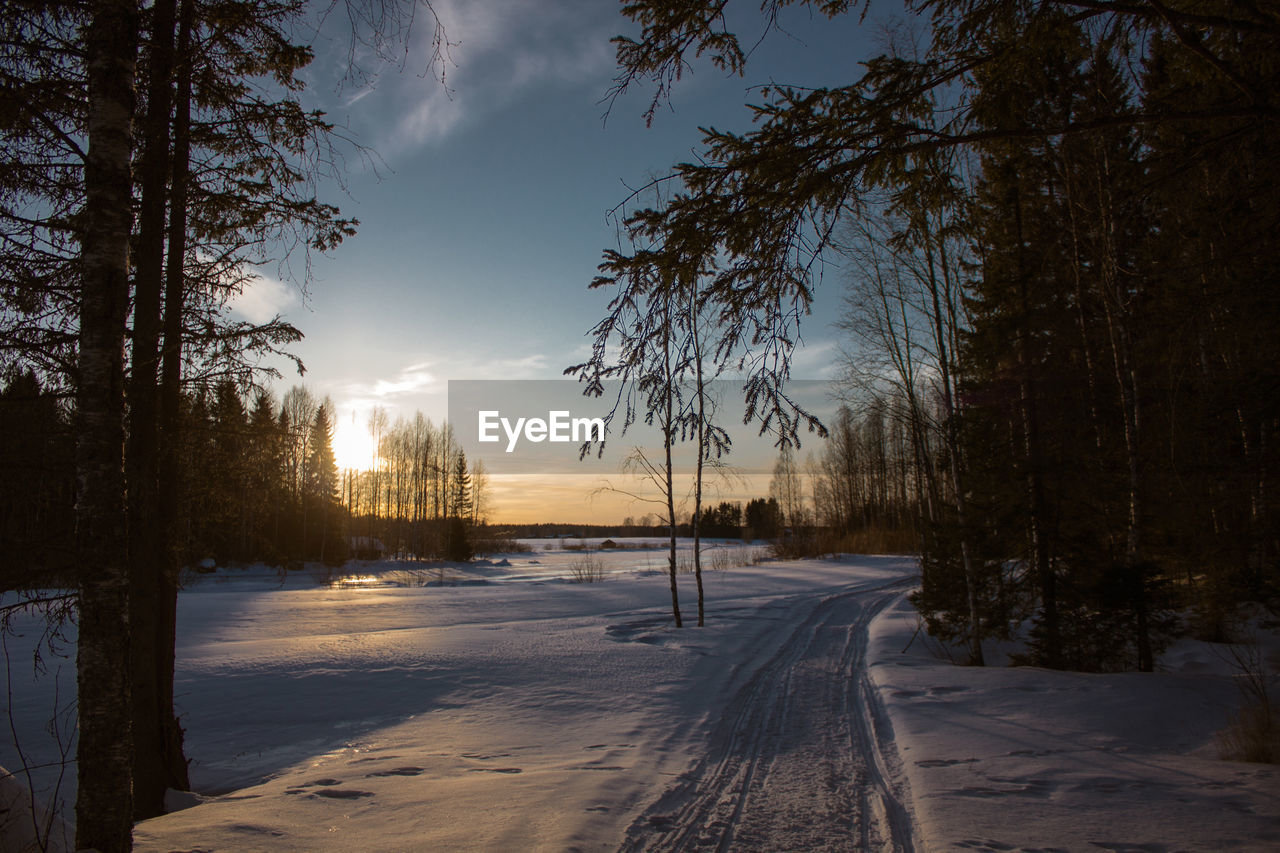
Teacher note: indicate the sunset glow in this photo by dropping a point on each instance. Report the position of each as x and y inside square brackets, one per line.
[352, 443]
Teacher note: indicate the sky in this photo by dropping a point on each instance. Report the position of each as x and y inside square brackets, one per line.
[483, 203]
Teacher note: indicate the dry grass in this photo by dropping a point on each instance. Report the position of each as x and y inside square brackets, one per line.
[486, 545]
[586, 569]
[1253, 732]
[872, 540]
[720, 559]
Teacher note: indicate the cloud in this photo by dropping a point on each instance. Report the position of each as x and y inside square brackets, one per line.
[816, 360]
[421, 385]
[412, 381]
[262, 298]
[415, 379]
[523, 367]
[431, 119]
[497, 51]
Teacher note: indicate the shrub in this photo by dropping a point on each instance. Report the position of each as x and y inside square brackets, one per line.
[720, 559]
[586, 569]
[492, 543]
[1253, 732]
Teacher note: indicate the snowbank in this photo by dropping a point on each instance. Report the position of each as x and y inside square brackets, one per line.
[26, 825]
[1030, 759]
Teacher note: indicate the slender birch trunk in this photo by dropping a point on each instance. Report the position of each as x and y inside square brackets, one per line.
[668, 425]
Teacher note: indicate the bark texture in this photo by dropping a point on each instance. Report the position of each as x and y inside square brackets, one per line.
[104, 807]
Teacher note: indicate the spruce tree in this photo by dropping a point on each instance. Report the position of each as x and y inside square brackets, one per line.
[320, 482]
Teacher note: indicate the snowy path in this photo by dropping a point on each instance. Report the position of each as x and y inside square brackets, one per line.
[800, 758]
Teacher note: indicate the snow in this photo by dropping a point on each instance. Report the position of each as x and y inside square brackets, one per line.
[1026, 759]
[26, 824]
[498, 706]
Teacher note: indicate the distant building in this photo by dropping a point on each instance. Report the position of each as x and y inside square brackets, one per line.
[366, 548]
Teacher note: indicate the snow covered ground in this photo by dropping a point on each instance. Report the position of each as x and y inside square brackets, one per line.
[511, 710]
[1029, 759]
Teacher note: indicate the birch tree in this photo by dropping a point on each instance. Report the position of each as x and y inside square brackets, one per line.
[104, 807]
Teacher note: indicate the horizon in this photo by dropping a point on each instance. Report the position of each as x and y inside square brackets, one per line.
[491, 201]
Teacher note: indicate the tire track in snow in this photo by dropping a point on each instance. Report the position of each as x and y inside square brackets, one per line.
[802, 756]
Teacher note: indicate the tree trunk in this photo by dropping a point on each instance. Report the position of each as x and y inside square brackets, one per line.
[1041, 566]
[671, 522]
[944, 331]
[702, 451]
[668, 427]
[146, 558]
[1120, 325]
[104, 807]
[166, 620]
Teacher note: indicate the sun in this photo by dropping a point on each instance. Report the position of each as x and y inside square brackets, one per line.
[352, 444]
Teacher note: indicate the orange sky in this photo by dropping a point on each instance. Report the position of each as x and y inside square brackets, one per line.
[587, 499]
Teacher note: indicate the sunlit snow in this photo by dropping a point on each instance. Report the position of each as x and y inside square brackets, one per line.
[498, 706]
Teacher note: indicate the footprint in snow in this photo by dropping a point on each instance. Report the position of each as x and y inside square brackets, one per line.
[343, 793]
[254, 829]
[945, 689]
[328, 790]
[399, 771]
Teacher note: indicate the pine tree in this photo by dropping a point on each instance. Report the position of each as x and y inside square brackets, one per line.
[1018, 300]
[457, 539]
[265, 452]
[320, 480]
[763, 518]
[37, 484]
[1214, 194]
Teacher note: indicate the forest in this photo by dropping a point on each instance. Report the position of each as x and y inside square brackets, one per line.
[1057, 227]
[1055, 221]
[258, 482]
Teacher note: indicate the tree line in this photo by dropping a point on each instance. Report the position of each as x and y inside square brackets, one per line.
[258, 482]
[1080, 327]
[419, 496]
[1058, 218]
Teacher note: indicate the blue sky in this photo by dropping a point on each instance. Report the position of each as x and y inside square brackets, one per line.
[485, 217]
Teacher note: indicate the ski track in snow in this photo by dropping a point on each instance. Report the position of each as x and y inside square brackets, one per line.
[802, 758]
[511, 711]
